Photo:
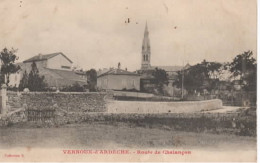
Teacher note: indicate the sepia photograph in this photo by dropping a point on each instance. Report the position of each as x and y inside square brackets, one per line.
[128, 81]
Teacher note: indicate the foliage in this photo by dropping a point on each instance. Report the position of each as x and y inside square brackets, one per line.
[33, 81]
[244, 66]
[92, 79]
[160, 79]
[8, 67]
[201, 76]
[24, 81]
[76, 87]
[13, 88]
[129, 90]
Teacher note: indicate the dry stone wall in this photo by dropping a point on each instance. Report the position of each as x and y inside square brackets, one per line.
[71, 102]
[102, 102]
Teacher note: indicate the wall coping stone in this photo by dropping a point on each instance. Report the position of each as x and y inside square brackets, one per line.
[80, 93]
[186, 102]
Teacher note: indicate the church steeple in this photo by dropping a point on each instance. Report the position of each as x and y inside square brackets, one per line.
[146, 50]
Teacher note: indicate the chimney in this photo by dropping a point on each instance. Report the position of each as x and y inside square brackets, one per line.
[119, 65]
[40, 56]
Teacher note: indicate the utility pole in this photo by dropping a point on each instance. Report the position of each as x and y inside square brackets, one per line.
[182, 82]
[182, 78]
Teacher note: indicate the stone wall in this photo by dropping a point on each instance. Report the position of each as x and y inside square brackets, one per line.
[99, 102]
[132, 94]
[162, 107]
[68, 101]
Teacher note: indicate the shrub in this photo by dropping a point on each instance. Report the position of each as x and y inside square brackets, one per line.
[76, 87]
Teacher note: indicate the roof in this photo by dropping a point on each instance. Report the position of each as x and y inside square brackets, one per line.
[102, 71]
[67, 75]
[169, 68]
[118, 72]
[42, 57]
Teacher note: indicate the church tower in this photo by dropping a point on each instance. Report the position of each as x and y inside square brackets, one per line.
[146, 50]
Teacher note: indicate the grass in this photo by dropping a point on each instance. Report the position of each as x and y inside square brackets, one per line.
[118, 134]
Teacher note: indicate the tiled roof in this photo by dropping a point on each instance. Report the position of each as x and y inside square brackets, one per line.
[67, 75]
[42, 57]
[118, 72]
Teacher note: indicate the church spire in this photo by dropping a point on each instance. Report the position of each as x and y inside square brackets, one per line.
[146, 27]
[146, 53]
[146, 40]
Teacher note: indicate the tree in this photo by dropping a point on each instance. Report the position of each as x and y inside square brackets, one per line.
[24, 81]
[33, 81]
[8, 58]
[244, 67]
[160, 79]
[92, 79]
[201, 76]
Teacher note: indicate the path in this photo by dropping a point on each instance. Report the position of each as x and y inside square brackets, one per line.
[227, 109]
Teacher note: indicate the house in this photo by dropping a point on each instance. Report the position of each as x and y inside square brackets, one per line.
[56, 69]
[57, 61]
[118, 79]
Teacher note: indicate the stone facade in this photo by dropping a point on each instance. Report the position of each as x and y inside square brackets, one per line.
[118, 79]
[119, 82]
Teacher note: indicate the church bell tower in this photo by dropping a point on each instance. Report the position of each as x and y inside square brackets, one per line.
[146, 50]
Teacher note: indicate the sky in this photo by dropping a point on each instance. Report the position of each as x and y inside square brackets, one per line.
[94, 33]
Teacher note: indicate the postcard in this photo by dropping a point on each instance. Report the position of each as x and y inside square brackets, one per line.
[128, 81]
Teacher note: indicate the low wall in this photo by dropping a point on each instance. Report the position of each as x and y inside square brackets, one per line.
[162, 107]
[69, 101]
[99, 102]
[133, 94]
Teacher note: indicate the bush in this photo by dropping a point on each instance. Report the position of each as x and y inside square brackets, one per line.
[12, 89]
[130, 90]
[76, 87]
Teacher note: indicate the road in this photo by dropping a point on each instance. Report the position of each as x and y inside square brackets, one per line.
[226, 109]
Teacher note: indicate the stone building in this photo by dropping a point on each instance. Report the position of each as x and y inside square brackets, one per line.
[118, 79]
[55, 67]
